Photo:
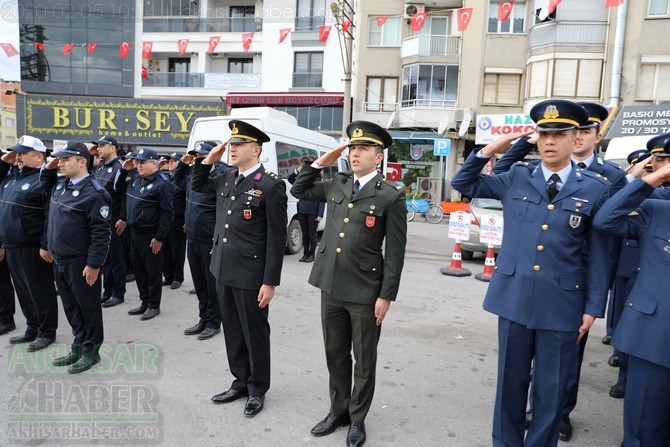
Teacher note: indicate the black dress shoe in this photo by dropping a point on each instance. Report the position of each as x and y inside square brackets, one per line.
[330, 424]
[607, 340]
[175, 285]
[303, 258]
[356, 435]
[565, 434]
[618, 391]
[613, 361]
[166, 282]
[195, 330]
[85, 363]
[113, 301]
[149, 314]
[192, 292]
[40, 343]
[208, 333]
[309, 258]
[229, 396]
[5, 328]
[137, 311]
[130, 277]
[104, 298]
[253, 406]
[69, 359]
[25, 338]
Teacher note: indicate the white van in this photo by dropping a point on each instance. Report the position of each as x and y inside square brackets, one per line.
[289, 146]
[619, 148]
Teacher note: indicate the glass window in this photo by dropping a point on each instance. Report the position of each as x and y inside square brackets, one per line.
[9, 122]
[577, 77]
[170, 8]
[654, 82]
[290, 157]
[659, 8]
[429, 85]
[512, 25]
[538, 79]
[310, 15]
[308, 69]
[387, 35]
[382, 94]
[320, 119]
[502, 88]
[240, 65]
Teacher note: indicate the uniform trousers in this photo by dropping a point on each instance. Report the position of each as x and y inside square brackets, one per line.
[81, 304]
[7, 306]
[346, 325]
[553, 356]
[575, 374]
[115, 269]
[308, 226]
[247, 333]
[34, 283]
[148, 269]
[174, 253]
[199, 258]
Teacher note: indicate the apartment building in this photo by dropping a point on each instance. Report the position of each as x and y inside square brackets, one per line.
[8, 137]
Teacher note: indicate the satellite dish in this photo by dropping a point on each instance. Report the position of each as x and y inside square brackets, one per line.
[442, 127]
[465, 124]
[389, 123]
[544, 13]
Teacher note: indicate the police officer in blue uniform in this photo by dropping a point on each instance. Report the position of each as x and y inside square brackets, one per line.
[200, 220]
[78, 237]
[7, 307]
[247, 255]
[539, 288]
[23, 216]
[174, 251]
[149, 212]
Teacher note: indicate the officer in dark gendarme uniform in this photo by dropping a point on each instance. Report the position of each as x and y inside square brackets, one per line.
[247, 255]
[174, 251]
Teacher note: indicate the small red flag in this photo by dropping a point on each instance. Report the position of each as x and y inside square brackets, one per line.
[9, 49]
[613, 3]
[67, 48]
[247, 38]
[283, 33]
[213, 42]
[324, 32]
[382, 20]
[145, 73]
[40, 46]
[464, 16]
[146, 50]
[91, 47]
[124, 49]
[505, 10]
[418, 21]
[181, 45]
[345, 25]
[552, 5]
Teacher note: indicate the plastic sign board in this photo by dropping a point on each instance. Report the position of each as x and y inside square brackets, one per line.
[492, 127]
[459, 226]
[393, 172]
[442, 147]
[491, 229]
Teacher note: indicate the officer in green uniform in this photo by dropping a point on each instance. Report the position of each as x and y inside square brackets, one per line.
[357, 279]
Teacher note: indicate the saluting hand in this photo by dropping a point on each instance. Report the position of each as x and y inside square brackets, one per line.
[188, 159]
[91, 275]
[331, 157]
[503, 143]
[659, 176]
[215, 154]
[9, 157]
[265, 295]
[127, 164]
[53, 164]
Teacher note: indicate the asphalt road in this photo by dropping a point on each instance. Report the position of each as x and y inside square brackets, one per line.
[435, 382]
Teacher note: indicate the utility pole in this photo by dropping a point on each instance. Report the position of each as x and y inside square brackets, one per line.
[344, 19]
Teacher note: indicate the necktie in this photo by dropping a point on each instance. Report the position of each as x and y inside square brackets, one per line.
[356, 188]
[239, 179]
[552, 188]
[581, 165]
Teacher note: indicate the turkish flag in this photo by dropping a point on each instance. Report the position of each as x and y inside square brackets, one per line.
[324, 32]
[552, 5]
[145, 73]
[213, 42]
[613, 3]
[40, 46]
[464, 16]
[92, 47]
[146, 50]
[9, 49]
[124, 49]
[418, 21]
[382, 20]
[247, 38]
[345, 25]
[67, 48]
[505, 10]
[283, 33]
[181, 45]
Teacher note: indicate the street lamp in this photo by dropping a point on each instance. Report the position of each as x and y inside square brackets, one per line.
[343, 12]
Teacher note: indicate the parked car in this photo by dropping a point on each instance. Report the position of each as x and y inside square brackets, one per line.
[477, 209]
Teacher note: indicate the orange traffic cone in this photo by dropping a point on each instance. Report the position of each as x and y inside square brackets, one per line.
[456, 266]
[489, 266]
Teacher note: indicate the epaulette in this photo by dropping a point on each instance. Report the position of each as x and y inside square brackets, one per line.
[523, 163]
[592, 174]
[611, 164]
[272, 175]
[391, 184]
[98, 187]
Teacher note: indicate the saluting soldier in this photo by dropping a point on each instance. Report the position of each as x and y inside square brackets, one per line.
[358, 280]
[543, 290]
[247, 255]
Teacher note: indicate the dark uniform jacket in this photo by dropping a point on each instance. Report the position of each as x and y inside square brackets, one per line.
[350, 265]
[250, 234]
[23, 207]
[78, 220]
[540, 278]
[178, 199]
[149, 206]
[112, 176]
[307, 206]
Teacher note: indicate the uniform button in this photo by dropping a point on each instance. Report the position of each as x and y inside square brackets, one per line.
[351, 205]
[551, 207]
[225, 239]
[536, 268]
[630, 304]
[255, 257]
[338, 250]
[341, 235]
[221, 193]
[346, 220]
[226, 226]
[374, 269]
[249, 198]
[230, 212]
[232, 198]
[545, 227]
[540, 247]
[576, 286]
[578, 205]
[525, 198]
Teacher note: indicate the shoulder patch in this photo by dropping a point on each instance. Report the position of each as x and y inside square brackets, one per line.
[98, 187]
[272, 175]
[592, 174]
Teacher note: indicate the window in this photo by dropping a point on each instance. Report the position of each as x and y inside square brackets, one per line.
[387, 35]
[9, 122]
[10, 140]
[320, 119]
[512, 25]
[381, 94]
[308, 69]
[290, 157]
[429, 85]
[242, 19]
[658, 8]
[502, 88]
[310, 15]
[168, 8]
[654, 82]
[539, 5]
[571, 78]
[240, 65]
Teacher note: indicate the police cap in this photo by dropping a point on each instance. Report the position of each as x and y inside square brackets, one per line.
[203, 147]
[146, 154]
[656, 145]
[241, 132]
[558, 114]
[597, 114]
[73, 149]
[27, 143]
[107, 140]
[638, 156]
[367, 133]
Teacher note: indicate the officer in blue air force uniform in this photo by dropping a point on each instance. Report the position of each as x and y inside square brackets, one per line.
[539, 288]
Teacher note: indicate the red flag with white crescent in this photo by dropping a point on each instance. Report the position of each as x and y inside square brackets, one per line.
[145, 73]
[92, 47]
[417, 21]
[9, 49]
[124, 49]
[505, 10]
[182, 44]
[324, 32]
[213, 42]
[382, 20]
[346, 25]
[552, 5]
[67, 48]
[39, 45]
[247, 38]
[146, 50]
[283, 33]
[613, 3]
[464, 16]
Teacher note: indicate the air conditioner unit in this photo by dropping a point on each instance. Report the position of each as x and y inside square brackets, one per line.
[429, 188]
[414, 8]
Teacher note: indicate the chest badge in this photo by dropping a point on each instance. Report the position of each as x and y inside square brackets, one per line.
[75, 193]
[110, 170]
[247, 214]
[370, 221]
[666, 249]
[575, 221]
[26, 186]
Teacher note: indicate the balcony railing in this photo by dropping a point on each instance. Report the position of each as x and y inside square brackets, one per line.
[567, 33]
[428, 104]
[430, 45]
[371, 106]
[227, 81]
[202, 25]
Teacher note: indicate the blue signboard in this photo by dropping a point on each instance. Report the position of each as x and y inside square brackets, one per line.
[442, 147]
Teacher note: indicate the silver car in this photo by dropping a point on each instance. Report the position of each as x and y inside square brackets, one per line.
[477, 209]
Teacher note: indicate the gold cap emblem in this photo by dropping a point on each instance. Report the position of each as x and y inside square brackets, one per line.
[551, 112]
[358, 132]
[234, 130]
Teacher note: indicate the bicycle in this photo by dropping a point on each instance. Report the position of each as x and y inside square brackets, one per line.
[432, 213]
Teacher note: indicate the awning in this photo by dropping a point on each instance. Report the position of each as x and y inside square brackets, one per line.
[285, 99]
[415, 135]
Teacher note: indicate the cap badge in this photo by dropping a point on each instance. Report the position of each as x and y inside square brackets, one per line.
[358, 132]
[141, 151]
[234, 130]
[551, 112]
[21, 140]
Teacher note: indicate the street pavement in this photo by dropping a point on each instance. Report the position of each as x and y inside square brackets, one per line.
[435, 381]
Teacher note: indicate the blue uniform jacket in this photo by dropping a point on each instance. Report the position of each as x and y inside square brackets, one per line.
[540, 278]
[149, 205]
[643, 330]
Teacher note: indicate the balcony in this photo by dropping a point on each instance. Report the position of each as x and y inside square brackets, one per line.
[430, 45]
[225, 81]
[567, 33]
[202, 25]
